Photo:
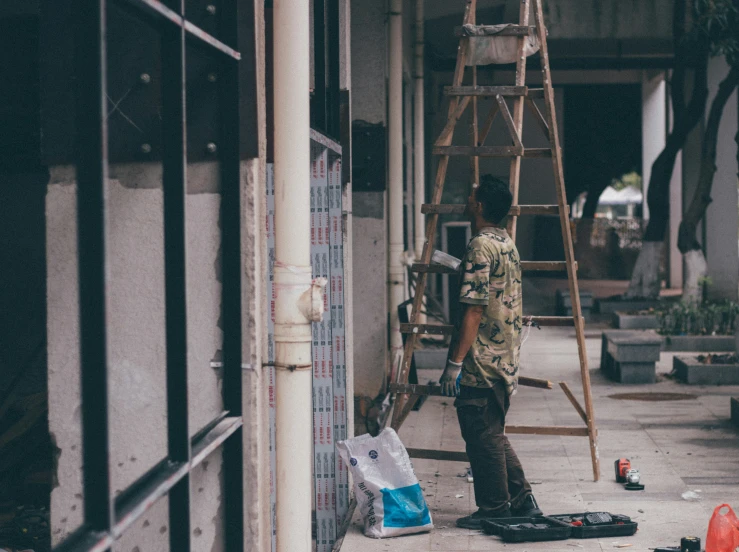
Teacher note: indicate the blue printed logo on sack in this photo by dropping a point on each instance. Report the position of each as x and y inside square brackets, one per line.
[353, 461]
[373, 454]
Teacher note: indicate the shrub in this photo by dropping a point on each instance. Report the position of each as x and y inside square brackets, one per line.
[703, 319]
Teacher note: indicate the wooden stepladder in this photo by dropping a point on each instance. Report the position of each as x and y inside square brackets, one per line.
[460, 98]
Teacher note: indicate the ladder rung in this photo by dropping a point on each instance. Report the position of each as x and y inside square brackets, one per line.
[545, 266]
[432, 268]
[459, 456]
[551, 320]
[435, 390]
[527, 266]
[535, 93]
[486, 90]
[444, 329]
[434, 329]
[492, 151]
[448, 455]
[488, 30]
[516, 210]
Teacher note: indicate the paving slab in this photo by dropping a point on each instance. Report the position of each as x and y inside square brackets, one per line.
[678, 446]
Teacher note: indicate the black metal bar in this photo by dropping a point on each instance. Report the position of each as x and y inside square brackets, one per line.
[140, 496]
[92, 176]
[159, 14]
[205, 39]
[233, 448]
[217, 435]
[318, 110]
[174, 160]
[155, 11]
[85, 540]
[345, 126]
[249, 77]
[333, 100]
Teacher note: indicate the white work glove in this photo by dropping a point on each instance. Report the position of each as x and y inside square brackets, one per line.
[448, 379]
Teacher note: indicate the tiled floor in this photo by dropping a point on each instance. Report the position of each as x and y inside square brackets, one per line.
[678, 447]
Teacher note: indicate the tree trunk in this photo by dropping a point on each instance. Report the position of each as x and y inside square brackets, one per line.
[591, 203]
[645, 281]
[645, 277]
[696, 269]
[702, 196]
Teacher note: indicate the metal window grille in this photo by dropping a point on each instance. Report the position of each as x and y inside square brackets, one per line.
[106, 517]
[325, 100]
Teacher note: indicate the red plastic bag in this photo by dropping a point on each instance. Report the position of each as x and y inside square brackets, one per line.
[723, 530]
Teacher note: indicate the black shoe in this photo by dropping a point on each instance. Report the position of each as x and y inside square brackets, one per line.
[474, 521]
[529, 508]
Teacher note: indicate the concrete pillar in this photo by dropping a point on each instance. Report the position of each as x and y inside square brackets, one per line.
[721, 218]
[656, 124]
[369, 237]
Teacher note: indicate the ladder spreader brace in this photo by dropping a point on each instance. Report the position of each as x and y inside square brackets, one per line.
[460, 98]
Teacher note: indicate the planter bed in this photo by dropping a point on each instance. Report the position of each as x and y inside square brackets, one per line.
[631, 356]
[615, 333]
[612, 304]
[564, 303]
[624, 320]
[694, 370]
[699, 343]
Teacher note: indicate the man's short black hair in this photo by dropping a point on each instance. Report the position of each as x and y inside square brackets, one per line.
[495, 197]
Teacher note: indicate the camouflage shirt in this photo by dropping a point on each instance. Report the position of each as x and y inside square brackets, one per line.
[490, 275]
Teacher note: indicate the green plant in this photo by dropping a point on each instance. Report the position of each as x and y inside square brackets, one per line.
[629, 180]
[699, 319]
[705, 282]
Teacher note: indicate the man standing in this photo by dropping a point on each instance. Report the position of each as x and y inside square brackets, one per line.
[485, 352]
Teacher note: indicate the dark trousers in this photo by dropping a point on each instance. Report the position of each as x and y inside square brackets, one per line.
[498, 474]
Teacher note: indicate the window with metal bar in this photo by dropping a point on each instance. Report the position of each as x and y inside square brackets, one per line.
[210, 38]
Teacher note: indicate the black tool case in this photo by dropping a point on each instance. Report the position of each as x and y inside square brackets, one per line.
[619, 526]
[527, 529]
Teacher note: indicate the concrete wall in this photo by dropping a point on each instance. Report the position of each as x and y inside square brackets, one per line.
[136, 345]
[136, 341]
[580, 18]
[721, 218]
[606, 18]
[369, 234]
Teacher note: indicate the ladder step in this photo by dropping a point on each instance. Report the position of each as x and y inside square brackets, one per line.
[433, 329]
[446, 329]
[435, 390]
[448, 455]
[489, 30]
[516, 210]
[551, 320]
[492, 151]
[535, 93]
[459, 456]
[527, 266]
[486, 90]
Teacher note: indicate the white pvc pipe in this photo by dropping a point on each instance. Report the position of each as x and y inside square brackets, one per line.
[292, 273]
[396, 268]
[419, 155]
[419, 143]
